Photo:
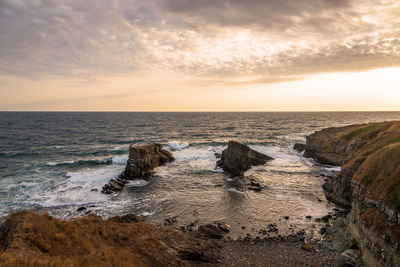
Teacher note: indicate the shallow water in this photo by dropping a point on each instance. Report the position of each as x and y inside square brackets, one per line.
[57, 162]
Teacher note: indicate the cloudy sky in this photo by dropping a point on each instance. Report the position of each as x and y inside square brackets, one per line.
[200, 55]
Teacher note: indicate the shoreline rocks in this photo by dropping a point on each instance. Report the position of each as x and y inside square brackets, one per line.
[238, 158]
[143, 158]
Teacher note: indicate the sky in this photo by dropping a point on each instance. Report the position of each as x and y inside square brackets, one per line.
[200, 55]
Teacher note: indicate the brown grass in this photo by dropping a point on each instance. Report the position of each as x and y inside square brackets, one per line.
[29, 239]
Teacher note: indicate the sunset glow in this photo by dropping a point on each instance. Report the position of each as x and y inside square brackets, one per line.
[183, 55]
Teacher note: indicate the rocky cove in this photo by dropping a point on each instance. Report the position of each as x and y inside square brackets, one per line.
[371, 220]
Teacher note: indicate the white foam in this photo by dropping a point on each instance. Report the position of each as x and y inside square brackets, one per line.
[234, 190]
[76, 189]
[199, 158]
[52, 163]
[177, 145]
[334, 168]
[137, 183]
[119, 160]
[148, 213]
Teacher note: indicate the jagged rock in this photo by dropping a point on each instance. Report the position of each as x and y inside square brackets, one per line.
[115, 185]
[238, 158]
[299, 147]
[143, 158]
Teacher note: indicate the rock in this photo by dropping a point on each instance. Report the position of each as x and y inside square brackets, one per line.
[81, 209]
[115, 185]
[308, 247]
[170, 221]
[94, 190]
[326, 218]
[351, 256]
[211, 231]
[238, 158]
[224, 227]
[286, 217]
[329, 146]
[308, 217]
[299, 147]
[143, 158]
[255, 186]
[322, 231]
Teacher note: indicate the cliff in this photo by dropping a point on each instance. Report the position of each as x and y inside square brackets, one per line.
[30, 239]
[368, 184]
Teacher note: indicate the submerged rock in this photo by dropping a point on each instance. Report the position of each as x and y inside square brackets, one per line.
[114, 185]
[143, 158]
[238, 158]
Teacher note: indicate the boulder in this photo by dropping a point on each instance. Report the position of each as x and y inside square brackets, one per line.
[299, 147]
[143, 158]
[238, 158]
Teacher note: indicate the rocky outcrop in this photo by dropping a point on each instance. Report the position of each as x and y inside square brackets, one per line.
[30, 239]
[143, 158]
[238, 158]
[330, 146]
[368, 184]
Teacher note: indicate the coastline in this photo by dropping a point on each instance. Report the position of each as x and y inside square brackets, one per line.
[347, 236]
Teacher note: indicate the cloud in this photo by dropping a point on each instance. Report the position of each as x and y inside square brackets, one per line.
[214, 39]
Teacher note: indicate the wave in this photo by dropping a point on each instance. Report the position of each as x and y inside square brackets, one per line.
[178, 145]
[118, 160]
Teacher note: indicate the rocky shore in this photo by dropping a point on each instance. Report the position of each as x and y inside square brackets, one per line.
[368, 184]
[30, 239]
[365, 232]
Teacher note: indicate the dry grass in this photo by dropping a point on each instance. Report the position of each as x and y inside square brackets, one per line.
[29, 239]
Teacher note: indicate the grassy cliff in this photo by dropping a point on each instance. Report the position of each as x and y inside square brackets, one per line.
[30, 239]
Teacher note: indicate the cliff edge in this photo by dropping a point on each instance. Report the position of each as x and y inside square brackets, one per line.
[368, 183]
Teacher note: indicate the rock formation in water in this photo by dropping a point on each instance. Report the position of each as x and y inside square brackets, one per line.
[143, 158]
[238, 158]
[299, 147]
[368, 184]
[30, 239]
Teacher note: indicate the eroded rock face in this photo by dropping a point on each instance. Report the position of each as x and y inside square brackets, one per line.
[143, 158]
[238, 158]
[329, 147]
[369, 155]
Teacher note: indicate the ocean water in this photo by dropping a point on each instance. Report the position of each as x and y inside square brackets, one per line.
[58, 162]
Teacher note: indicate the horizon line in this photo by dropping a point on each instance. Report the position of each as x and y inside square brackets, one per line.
[191, 111]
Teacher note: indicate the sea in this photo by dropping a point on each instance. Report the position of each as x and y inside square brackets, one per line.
[58, 162]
